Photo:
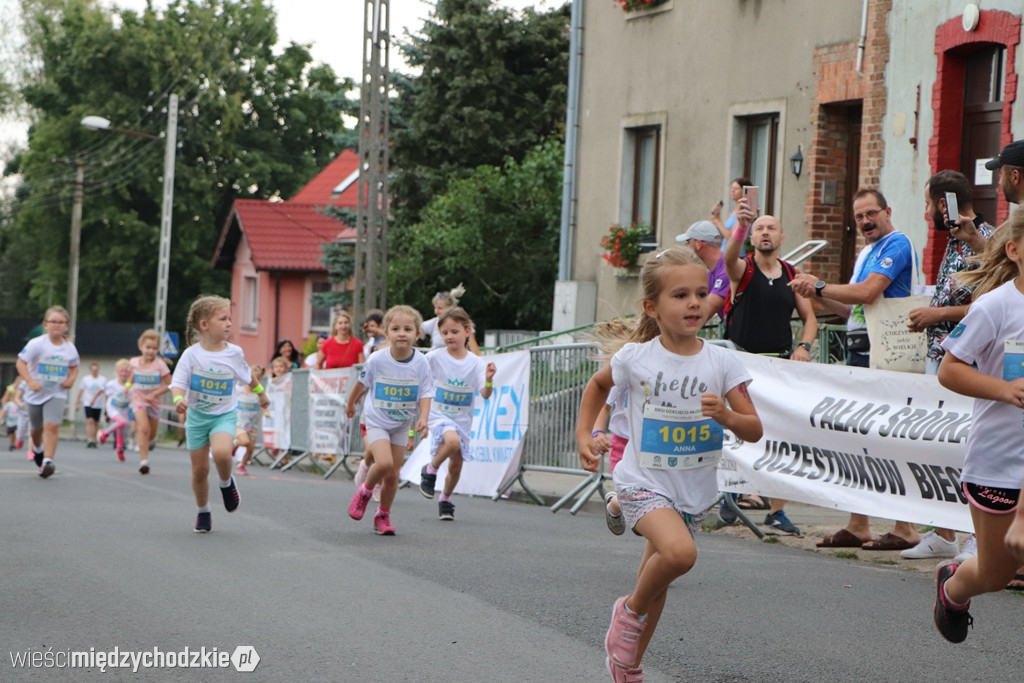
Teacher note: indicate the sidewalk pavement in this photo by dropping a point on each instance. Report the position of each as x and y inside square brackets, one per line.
[814, 522]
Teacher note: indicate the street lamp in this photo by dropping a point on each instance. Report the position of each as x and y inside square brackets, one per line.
[163, 267]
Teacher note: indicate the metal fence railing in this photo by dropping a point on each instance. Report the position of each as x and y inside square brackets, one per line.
[558, 375]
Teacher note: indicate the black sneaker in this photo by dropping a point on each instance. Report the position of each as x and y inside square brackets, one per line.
[47, 469]
[90, 444]
[952, 622]
[203, 523]
[427, 482]
[37, 458]
[231, 497]
[446, 511]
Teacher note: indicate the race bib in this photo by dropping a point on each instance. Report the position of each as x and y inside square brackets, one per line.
[210, 387]
[119, 400]
[396, 394]
[52, 372]
[453, 401]
[146, 381]
[1013, 359]
[678, 439]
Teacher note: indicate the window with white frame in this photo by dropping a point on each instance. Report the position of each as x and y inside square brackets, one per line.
[758, 138]
[320, 316]
[641, 161]
[250, 302]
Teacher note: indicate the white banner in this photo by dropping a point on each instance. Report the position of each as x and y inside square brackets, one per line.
[874, 442]
[499, 425]
[329, 429]
[277, 424]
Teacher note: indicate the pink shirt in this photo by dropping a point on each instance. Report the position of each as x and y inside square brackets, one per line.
[146, 378]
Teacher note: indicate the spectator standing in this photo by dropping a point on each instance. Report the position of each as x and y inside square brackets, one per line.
[968, 234]
[704, 239]
[884, 268]
[342, 350]
[285, 349]
[759, 314]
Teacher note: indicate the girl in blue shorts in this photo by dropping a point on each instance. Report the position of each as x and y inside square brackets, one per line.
[203, 386]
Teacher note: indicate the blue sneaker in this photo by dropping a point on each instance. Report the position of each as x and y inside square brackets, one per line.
[203, 524]
[779, 520]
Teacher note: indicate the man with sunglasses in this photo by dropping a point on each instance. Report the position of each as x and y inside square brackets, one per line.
[884, 268]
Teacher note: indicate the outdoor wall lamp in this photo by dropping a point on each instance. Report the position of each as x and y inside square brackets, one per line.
[797, 162]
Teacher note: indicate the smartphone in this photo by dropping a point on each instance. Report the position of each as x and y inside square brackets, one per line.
[952, 211]
[721, 203]
[751, 193]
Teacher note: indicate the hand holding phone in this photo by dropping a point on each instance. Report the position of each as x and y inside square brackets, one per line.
[751, 192]
[952, 211]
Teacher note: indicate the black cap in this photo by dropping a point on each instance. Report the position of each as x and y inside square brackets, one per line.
[1012, 154]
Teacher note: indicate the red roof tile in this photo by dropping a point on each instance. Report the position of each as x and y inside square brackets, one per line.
[281, 235]
[335, 185]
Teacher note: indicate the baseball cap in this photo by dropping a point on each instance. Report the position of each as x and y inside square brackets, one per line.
[705, 231]
[1012, 154]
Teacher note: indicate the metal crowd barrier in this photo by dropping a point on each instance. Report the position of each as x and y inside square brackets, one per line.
[558, 375]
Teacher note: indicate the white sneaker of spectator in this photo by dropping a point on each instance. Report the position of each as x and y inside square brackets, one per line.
[931, 545]
[970, 549]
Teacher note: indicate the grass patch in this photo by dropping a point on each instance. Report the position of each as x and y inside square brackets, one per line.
[879, 560]
[844, 554]
[770, 539]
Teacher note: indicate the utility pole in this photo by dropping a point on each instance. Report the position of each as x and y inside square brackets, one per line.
[164, 262]
[372, 212]
[76, 247]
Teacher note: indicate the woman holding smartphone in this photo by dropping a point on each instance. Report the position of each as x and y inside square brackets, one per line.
[735, 193]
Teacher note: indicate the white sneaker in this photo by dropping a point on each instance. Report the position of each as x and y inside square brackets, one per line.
[931, 545]
[616, 524]
[376, 493]
[970, 549]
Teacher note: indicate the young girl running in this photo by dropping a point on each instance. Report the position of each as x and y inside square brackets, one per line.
[204, 389]
[118, 407]
[250, 421]
[682, 393]
[443, 301]
[396, 383]
[458, 375]
[990, 337]
[49, 365]
[151, 379]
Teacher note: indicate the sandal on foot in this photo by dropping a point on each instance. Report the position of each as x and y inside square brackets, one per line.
[752, 502]
[840, 539]
[1016, 583]
[888, 542]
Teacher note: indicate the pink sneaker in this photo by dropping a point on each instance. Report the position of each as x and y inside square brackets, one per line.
[241, 469]
[620, 675]
[120, 454]
[622, 642]
[382, 524]
[103, 437]
[360, 499]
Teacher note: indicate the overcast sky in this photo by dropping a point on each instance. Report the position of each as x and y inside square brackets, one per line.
[333, 29]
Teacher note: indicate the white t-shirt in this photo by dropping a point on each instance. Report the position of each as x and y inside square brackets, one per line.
[456, 382]
[11, 414]
[208, 378]
[48, 363]
[92, 391]
[618, 400]
[669, 384]
[992, 335]
[394, 388]
[117, 399]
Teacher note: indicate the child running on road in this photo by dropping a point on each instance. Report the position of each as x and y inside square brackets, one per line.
[204, 390]
[151, 379]
[682, 393]
[458, 375]
[985, 360]
[49, 365]
[396, 383]
[118, 407]
[9, 416]
[250, 421]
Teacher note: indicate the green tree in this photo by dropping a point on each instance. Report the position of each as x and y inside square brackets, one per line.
[252, 124]
[495, 231]
[492, 84]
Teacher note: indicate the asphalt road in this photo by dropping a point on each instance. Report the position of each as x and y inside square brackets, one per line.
[101, 557]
